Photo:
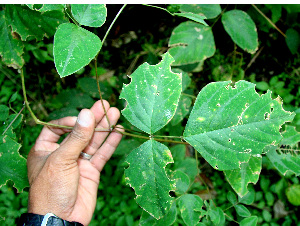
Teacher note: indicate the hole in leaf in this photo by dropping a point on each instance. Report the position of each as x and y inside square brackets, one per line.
[229, 140]
[272, 110]
[219, 105]
[267, 116]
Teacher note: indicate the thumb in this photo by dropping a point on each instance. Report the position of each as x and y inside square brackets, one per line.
[80, 136]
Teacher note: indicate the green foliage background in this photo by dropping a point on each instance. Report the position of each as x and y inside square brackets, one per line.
[136, 39]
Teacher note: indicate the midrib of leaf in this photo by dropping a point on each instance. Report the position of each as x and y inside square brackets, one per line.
[71, 47]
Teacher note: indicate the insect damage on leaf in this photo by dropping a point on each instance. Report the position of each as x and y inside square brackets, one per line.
[152, 96]
[222, 112]
[147, 176]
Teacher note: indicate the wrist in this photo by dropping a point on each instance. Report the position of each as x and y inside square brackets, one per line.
[31, 219]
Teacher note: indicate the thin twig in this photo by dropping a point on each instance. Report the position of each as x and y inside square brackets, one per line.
[97, 77]
[254, 58]
[10, 124]
[261, 13]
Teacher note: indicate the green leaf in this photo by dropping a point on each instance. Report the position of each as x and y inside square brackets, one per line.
[231, 198]
[249, 221]
[152, 96]
[191, 42]
[146, 175]
[229, 124]
[168, 219]
[216, 215]
[74, 48]
[11, 48]
[264, 86]
[291, 137]
[12, 164]
[4, 112]
[182, 110]
[13, 97]
[293, 194]
[29, 23]
[284, 162]
[182, 181]
[266, 215]
[210, 11]
[292, 40]
[248, 199]
[242, 210]
[188, 204]
[195, 17]
[241, 29]
[248, 173]
[92, 15]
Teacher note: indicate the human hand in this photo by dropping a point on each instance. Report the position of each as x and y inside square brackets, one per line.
[60, 181]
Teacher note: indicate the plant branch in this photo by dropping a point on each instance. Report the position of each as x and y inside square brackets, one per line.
[159, 8]
[97, 76]
[100, 94]
[37, 121]
[71, 17]
[14, 119]
[112, 23]
[270, 22]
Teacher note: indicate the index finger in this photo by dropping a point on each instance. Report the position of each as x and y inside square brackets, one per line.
[52, 134]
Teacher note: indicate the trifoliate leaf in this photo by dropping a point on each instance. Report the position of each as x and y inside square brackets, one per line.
[191, 42]
[248, 173]
[229, 124]
[241, 28]
[92, 15]
[147, 176]
[74, 48]
[152, 96]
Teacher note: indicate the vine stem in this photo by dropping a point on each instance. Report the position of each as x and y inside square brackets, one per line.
[261, 13]
[39, 122]
[97, 76]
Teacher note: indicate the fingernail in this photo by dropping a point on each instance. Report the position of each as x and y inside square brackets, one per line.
[84, 119]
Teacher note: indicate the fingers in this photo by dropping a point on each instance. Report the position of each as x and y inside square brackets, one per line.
[80, 136]
[113, 114]
[98, 110]
[104, 153]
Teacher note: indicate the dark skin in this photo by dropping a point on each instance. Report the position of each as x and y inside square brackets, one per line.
[60, 181]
